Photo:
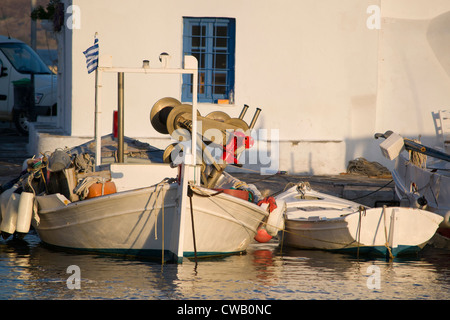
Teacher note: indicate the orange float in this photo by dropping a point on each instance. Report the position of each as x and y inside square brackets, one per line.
[99, 189]
[262, 236]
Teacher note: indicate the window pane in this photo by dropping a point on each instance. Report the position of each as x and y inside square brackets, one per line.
[198, 42]
[198, 36]
[200, 55]
[221, 42]
[221, 31]
[220, 34]
[220, 81]
[198, 30]
[201, 82]
[221, 61]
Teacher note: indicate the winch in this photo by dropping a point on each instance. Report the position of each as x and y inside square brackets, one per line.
[218, 131]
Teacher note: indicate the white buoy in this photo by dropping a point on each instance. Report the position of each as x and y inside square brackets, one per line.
[9, 217]
[275, 222]
[25, 212]
[4, 198]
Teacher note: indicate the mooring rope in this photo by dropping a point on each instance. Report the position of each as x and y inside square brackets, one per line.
[366, 195]
[190, 195]
[386, 244]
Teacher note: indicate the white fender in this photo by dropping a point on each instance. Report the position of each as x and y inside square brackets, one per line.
[4, 198]
[25, 212]
[9, 219]
[275, 222]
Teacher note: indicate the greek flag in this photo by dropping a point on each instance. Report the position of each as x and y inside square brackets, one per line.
[91, 55]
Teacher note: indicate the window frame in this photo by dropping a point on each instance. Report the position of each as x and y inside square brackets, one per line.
[207, 52]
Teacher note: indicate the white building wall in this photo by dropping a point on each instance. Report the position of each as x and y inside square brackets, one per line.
[414, 66]
[323, 79]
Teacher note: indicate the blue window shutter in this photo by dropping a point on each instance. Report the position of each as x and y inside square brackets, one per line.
[212, 42]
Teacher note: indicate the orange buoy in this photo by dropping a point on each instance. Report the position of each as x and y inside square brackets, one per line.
[99, 189]
[262, 236]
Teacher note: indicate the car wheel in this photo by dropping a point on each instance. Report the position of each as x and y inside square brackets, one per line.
[20, 119]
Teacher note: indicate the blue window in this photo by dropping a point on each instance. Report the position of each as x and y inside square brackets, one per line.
[212, 42]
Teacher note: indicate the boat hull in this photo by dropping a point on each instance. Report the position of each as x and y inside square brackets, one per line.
[124, 223]
[389, 231]
[223, 224]
[318, 221]
[141, 223]
[412, 182]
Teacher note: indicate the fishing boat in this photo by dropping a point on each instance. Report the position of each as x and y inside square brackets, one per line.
[156, 208]
[143, 222]
[421, 176]
[314, 220]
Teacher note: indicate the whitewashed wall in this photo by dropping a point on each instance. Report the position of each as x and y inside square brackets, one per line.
[323, 79]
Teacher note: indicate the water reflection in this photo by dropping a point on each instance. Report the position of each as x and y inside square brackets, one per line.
[28, 270]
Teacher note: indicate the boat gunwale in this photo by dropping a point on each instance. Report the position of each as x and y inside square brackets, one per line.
[103, 198]
[166, 186]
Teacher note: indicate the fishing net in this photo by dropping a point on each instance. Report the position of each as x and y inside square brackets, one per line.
[362, 166]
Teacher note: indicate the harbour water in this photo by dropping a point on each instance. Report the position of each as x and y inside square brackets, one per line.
[31, 271]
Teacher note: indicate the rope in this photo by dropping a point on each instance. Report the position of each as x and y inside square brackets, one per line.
[365, 167]
[361, 209]
[201, 194]
[366, 195]
[82, 189]
[416, 158]
[190, 194]
[162, 222]
[385, 234]
[205, 195]
[211, 197]
[283, 230]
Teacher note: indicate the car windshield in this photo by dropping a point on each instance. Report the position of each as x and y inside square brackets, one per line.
[23, 58]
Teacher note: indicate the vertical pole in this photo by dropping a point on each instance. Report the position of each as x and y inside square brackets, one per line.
[98, 138]
[120, 115]
[194, 117]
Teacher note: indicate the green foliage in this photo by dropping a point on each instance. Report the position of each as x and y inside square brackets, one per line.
[41, 13]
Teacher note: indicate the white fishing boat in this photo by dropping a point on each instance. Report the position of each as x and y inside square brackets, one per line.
[164, 210]
[422, 177]
[316, 220]
[144, 222]
[429, 188]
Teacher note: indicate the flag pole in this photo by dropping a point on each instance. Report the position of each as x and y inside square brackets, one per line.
[98, 140]
[97, 133]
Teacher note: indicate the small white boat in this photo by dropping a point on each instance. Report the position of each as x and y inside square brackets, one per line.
[314, 220]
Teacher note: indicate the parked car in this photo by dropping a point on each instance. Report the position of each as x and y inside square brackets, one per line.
[27, 86]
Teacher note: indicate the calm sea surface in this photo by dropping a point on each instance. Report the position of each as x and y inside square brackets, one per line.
[30, 270]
